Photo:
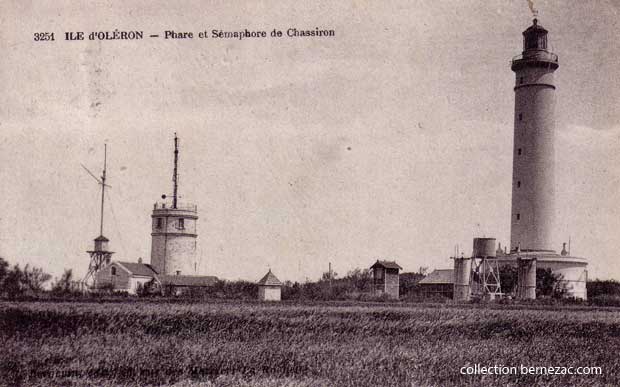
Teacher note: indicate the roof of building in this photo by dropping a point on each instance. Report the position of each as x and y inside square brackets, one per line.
[187, 280]
[135, 268]
[387, 265]
[270, 280]
[101, 238]
[443, 276]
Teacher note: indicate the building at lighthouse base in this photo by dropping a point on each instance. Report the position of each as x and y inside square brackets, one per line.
[494, 273]
[572, 272]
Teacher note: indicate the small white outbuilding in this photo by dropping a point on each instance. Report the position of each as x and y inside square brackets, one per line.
[269, 288]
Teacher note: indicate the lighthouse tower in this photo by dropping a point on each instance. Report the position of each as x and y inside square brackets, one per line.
[533, 179]
[533, 189]
[173, 243]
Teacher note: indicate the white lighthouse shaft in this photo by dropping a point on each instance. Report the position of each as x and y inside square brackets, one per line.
[533, 179]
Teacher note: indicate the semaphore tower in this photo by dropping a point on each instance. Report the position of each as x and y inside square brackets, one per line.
[173, 242]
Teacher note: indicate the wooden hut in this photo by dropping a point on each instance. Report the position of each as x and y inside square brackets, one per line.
[385, 278]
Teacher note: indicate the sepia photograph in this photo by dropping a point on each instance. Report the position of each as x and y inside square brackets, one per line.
[306, 194]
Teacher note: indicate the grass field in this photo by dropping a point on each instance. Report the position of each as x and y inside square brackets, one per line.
[143, 343]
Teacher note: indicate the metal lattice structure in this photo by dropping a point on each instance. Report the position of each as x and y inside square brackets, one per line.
[485, 281]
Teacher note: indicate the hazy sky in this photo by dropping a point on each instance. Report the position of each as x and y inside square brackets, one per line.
[391, 140]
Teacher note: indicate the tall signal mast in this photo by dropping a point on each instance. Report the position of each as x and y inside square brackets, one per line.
[175, 176]
[105, 164]
[100, 255]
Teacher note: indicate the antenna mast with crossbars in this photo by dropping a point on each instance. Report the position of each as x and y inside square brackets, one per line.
[100, 255]
[175, 176]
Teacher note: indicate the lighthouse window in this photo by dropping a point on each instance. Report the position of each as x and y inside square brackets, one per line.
[518, 184]
[520, 116]
[519, 151]
[521, 80]
[159, 223]
[181, 225]
[518, 216]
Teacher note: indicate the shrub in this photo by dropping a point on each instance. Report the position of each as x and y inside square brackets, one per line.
[605, 300]
[599, 287]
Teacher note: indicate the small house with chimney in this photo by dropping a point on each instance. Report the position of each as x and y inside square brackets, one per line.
[129, 277]
[124, 276]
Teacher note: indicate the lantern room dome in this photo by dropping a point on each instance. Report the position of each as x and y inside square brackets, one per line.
[535, 37]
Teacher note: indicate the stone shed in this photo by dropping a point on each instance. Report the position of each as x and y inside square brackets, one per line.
[269, 288]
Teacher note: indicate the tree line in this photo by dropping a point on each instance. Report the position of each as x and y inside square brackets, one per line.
[30, 281]
[16, 281]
